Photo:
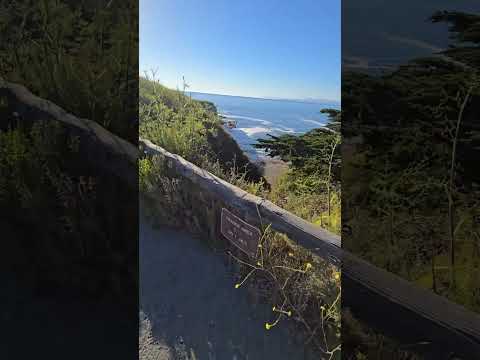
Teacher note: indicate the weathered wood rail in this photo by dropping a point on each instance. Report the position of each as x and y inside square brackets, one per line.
[102, 149]
[392, 304]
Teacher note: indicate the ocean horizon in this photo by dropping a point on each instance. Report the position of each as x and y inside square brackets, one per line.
[300, 100]
[256, 118]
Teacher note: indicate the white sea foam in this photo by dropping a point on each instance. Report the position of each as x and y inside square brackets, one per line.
[284, 130]
[313, 122]
[238, 117]
[258, 131]
[254, 131]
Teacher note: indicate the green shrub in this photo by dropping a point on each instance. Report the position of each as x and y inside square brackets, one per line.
[82, 55]
[175, 122]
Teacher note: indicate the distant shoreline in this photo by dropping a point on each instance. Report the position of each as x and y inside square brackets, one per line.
[306, 101]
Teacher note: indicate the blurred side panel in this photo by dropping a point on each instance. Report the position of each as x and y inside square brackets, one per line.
[410, 177]
[68, 179]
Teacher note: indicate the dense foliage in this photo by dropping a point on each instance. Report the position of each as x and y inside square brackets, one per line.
[180, 125]
[412, 184]
[311, 188]
[82, 55]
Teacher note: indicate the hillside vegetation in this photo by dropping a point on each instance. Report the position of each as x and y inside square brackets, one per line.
[82, 55]
[193, 130]
[311, 188]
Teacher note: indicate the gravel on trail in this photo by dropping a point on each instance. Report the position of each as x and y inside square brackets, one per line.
[190, 309]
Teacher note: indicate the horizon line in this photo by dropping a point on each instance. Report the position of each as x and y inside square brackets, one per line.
[313, 101]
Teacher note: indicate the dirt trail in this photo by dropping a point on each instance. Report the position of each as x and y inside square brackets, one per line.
[189, 308]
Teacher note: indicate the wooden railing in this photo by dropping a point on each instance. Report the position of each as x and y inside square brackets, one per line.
[391, 304]
[102, 149]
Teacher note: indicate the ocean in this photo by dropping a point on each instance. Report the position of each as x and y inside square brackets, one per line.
[258, 117]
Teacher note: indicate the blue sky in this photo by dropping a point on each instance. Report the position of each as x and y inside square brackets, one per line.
[261, 48]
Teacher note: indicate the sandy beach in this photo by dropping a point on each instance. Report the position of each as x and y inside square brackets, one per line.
[272, 169]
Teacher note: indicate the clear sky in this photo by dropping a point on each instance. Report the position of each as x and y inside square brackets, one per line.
[259, 48]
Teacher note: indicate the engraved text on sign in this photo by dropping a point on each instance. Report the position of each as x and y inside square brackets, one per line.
[241, 234]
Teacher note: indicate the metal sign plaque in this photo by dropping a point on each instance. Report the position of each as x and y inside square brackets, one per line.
[241, 234]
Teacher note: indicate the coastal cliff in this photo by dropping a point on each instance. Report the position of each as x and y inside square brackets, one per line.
[231, 155]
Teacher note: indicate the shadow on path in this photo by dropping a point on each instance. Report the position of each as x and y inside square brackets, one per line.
[189, 308]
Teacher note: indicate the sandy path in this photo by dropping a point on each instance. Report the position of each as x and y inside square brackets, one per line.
[191, 310]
